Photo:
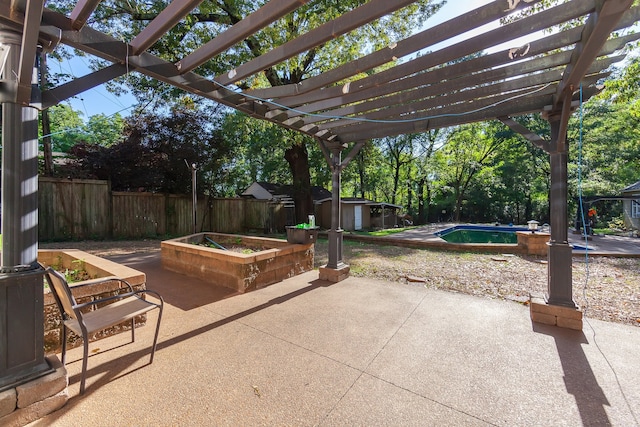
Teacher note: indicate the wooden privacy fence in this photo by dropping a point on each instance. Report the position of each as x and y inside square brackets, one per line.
[88, 209]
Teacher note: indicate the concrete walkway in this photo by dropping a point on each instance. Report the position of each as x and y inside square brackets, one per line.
[305, 352]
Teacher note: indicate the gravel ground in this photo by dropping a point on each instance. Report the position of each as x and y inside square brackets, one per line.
[606, 288]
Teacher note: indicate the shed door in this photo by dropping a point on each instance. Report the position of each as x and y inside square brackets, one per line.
[357, 217]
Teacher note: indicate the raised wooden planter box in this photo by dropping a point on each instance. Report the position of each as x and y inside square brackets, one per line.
[96, 267]
[241, 272]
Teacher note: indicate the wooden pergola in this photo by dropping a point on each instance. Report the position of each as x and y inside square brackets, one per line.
[410, 86]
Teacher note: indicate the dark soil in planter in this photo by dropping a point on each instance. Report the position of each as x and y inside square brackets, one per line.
[234, 247]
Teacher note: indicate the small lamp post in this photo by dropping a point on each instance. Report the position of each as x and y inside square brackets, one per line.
[533, 226]
[194, 194]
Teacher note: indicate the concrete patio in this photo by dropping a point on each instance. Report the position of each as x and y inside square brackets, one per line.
[358, 352]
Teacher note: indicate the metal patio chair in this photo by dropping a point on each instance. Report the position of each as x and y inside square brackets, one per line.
[121, 308]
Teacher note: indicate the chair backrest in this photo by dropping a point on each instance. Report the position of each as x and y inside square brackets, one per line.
[62, 293]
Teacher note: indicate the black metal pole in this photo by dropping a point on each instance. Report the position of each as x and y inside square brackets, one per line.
[21, 284]
[335, 234]
[194, 196]
[560, 291]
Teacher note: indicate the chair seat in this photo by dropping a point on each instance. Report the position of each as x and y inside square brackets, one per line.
[112, 314]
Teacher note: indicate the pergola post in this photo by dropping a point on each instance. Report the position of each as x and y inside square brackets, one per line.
[335, 270]
[559, 291]
[21, 281]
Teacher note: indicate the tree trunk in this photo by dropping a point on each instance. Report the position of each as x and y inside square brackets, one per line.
[396, 181]
[458, 212]
[361, 173]
[423, 202]
[298, 160]
[409, 198]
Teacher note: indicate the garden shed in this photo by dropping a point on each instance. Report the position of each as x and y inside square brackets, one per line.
[357, 213]
[354, 213]
[384, 215]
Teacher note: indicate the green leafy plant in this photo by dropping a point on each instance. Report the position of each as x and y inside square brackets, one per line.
[76, 273]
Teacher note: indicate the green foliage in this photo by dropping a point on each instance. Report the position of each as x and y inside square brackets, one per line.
[67, 127]
[105, 130]
[468, 154]
[259, 154]
[153, 153]
[75, 273]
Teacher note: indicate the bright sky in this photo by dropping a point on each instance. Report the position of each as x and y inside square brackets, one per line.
[99, 100]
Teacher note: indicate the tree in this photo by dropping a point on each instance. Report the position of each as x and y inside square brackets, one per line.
[152, 156]
[398, 153]
[364, 176]
[468, 149]
[125, 19]
[67, 127]
[424, 173]
[261, 151]
[105, 130]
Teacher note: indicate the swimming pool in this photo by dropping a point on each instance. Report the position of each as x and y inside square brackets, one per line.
[480, 234]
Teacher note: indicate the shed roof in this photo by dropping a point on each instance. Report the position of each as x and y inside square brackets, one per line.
[632, 188]
[317, 192]
[384, 205]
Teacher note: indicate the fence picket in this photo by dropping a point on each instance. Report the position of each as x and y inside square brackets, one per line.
[83, 209]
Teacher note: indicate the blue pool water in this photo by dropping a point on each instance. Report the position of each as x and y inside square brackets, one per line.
[480, 234]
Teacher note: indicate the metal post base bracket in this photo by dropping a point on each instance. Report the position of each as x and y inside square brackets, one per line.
[560, 284]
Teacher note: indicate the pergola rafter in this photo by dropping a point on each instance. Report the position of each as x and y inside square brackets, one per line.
[448, 55]
[364, 14]
[423, 40]
[267, 14]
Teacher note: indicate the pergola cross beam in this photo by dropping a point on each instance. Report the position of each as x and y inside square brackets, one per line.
[167, 19]
[349, 21]
[449, 55]
[77, 86]
[595, 34]
[82, 11]
[267, 14]
[32, 15]
[429, 37]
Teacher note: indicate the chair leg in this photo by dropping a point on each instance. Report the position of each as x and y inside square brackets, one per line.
[133, 330]
[64, 343]
[155, 338]
[85, 342]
